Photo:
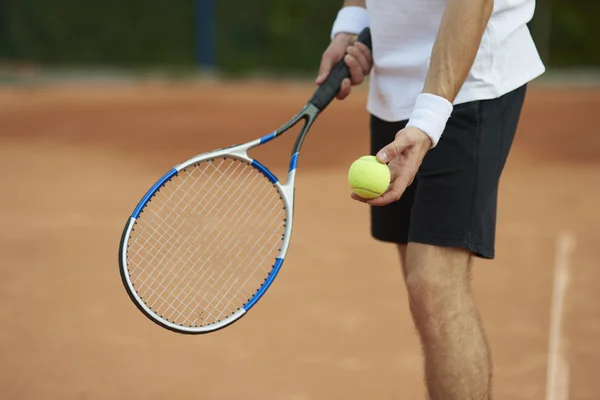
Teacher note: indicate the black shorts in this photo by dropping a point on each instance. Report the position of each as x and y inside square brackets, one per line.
[453, 199]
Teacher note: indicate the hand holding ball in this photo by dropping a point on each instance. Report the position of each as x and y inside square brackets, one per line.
[369, 178]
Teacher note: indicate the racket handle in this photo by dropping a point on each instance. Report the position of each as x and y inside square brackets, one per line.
[331, 87]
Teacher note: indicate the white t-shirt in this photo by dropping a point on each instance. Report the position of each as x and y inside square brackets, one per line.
[403, 33]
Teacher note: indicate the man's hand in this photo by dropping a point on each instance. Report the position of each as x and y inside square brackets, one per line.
[359, 60]
[404, 156]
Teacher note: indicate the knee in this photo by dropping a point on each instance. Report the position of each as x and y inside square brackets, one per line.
[425, 292]
[435, 276]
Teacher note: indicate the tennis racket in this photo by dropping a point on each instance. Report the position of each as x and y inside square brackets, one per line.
[207, 240]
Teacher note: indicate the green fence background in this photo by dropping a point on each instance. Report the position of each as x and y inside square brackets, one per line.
[274, 36]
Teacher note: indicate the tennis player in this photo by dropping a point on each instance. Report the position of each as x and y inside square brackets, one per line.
[447, 84]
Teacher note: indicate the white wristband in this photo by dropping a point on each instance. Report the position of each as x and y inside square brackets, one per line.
[430, 115]
[350, 19]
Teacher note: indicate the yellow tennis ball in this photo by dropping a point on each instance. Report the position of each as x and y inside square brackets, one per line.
[369, 178]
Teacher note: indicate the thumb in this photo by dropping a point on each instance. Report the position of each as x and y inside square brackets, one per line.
[323, 73]
[392, 150]
[324, 69]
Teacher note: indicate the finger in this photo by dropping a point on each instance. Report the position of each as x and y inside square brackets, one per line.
[356, 197]
[394, 149]
[345, 89]
[392, 195]
[356, 73]
[366, 52]
[399, 185]
[360, 57]
[327, 62]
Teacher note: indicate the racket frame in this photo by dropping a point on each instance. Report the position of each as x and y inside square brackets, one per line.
[286, 190]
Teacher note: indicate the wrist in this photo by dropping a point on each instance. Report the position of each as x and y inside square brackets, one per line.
[351, 20]
[430, 115]
[345, 36]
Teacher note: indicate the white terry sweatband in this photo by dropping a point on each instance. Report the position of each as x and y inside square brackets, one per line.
[430, 115]
[350, 19]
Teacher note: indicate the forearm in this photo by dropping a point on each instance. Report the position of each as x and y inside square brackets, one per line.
[458, 39]
[355, 3]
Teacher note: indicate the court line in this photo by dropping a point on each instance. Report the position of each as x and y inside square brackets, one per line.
[558, 373]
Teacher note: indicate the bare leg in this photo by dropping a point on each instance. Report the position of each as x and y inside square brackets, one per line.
[402, 253]
[456, 352]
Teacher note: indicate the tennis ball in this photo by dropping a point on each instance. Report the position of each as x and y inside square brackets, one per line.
[368, 177]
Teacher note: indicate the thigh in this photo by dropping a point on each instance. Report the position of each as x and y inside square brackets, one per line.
[390, 223]
[456, 196]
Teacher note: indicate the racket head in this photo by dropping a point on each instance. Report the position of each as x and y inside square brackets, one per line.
[206, 241]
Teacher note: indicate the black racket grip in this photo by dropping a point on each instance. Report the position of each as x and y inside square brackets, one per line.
[331, 87]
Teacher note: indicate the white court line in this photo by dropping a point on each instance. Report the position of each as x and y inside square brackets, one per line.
[557, 380]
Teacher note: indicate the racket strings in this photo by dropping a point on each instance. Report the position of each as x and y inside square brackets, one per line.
[160, 295]
[250, 280]
[162, 203]
[209, 245]
[189, 249]
[171, 239]
[232, 271]
[206, 242]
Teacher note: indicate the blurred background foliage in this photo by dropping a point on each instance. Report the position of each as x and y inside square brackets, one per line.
[258, 36]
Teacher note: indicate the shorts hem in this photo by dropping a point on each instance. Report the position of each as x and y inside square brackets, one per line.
[388, 238]
[477, 249]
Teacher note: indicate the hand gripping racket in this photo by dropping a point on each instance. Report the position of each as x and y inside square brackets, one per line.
[207, 240]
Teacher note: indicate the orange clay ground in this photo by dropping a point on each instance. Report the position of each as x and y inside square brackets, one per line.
[335, 324]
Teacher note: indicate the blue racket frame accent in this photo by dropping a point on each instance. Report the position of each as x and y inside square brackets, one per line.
[294, 161]
[267, 138]
[264, 171]
[153, 190]
[265, 286]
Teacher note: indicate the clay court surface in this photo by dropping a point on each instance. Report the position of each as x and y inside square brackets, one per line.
[335, 325]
